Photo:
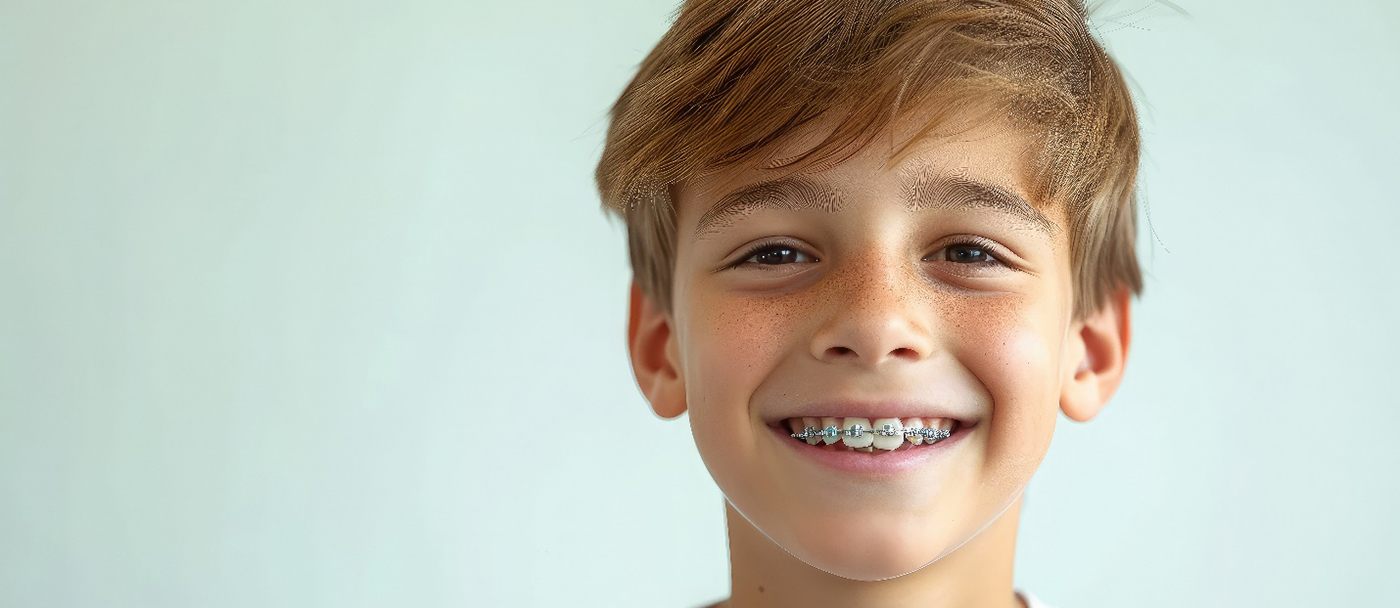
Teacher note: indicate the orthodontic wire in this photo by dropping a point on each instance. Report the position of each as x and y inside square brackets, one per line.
[856, 430]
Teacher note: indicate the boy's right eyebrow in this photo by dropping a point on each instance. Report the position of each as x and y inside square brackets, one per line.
[921, 190]
[793, 192]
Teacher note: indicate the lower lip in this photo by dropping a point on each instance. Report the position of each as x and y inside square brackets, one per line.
[877, 463]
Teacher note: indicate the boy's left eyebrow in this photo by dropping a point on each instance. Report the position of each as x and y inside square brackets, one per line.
[921, 190]
[924, 189]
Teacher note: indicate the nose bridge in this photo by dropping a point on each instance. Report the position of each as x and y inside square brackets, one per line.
[875, 313]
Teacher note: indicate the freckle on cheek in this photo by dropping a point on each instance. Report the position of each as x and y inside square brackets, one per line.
[754, 324]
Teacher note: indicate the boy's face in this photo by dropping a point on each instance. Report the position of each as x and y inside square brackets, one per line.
[885, 285]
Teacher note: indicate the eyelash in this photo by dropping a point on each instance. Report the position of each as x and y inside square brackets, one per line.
[984, 245]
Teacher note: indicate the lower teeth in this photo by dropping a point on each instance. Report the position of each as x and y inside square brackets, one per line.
[872, 449]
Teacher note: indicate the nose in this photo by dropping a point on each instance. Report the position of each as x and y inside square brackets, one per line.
[878, 318]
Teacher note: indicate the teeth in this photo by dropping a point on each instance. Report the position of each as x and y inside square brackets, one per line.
[889, 442]
[916, 431]
[865, 439]
[827, 423]
[794, 425]
[915, 423]
[814, 423]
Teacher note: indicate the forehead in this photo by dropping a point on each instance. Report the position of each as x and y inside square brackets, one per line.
[965, 165]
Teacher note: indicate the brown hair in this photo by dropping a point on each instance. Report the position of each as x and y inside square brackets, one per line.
[731, 77]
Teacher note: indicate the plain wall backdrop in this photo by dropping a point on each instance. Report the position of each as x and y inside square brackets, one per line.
[299, 299]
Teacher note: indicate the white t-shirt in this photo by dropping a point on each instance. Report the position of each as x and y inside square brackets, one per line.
[1031, 600]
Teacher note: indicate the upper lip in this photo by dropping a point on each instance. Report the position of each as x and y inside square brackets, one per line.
[880, 408]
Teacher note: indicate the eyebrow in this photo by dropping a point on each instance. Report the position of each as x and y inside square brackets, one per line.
[926, 189]
[923, 189]
[793, 193]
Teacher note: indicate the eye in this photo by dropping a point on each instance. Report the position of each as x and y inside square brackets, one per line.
[771, 254]
[974, 252]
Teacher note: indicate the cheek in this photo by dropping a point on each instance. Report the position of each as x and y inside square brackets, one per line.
[1012, 348]
[732, 344]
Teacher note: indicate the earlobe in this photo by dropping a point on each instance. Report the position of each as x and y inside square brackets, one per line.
[1101, 345]
[651, 346]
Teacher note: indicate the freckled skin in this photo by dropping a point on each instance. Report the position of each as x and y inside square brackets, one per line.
[873, 307]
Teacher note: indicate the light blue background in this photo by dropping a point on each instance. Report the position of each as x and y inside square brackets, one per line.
[278, 278]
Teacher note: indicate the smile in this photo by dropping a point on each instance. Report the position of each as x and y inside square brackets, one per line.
[885, 434]
[879, 452]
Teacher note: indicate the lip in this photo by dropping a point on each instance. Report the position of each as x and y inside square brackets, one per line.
[878, 463]
[885, 408]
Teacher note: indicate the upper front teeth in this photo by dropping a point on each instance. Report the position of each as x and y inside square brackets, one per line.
[890, 433]
[855, 435]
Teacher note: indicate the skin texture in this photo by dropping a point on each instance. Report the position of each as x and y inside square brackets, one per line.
[874, 302]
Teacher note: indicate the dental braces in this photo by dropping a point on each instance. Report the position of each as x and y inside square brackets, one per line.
[856, 430]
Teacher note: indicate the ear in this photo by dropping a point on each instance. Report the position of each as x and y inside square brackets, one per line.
[652, 346]
[1098, 352]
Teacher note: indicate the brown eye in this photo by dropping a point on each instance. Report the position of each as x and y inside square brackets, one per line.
[772, 254]
[775, 255]
[969, 253]
[973, 252]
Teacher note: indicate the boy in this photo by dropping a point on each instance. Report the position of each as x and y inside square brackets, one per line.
[876, 247]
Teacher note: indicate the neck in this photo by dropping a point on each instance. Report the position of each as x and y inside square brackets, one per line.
[979, 573]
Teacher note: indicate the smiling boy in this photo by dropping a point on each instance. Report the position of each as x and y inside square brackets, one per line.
[877, 247]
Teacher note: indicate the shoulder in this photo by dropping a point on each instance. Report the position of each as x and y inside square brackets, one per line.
[1031, 600]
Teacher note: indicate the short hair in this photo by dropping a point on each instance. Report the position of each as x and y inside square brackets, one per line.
[731, 77]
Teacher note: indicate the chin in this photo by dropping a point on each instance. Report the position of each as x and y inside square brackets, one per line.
[863, 552]
[872, 561]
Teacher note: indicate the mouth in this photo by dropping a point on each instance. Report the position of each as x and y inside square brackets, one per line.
[863, 435]
[878, 450]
